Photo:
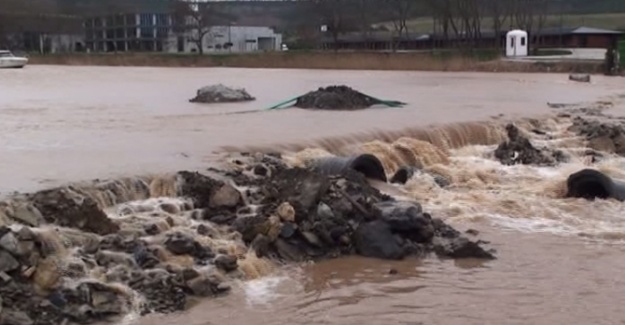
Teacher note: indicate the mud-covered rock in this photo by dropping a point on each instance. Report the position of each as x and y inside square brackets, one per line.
[601, 136]
[375, 239]
[405, 218]
[460, 247]
[519, 150]
[221, 94]
[68, 208]
[335, 97]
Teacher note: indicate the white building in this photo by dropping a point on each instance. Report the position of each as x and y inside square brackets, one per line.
[516, 43]
[230, 39]
[141, 32]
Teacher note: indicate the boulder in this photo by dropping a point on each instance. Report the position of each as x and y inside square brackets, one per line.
[460, 247]
[210, 194]
[68, 208]
[375, 239]
[221, 94]
[405, 218]
[226, 196]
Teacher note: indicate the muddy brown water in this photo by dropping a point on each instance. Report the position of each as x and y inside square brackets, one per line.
[560, 260]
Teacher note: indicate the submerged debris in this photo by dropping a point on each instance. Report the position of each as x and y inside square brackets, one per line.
[519, 150]
[221, 94]
[336, 98]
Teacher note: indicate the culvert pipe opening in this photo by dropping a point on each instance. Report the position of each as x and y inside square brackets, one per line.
[591, 184]
[367, 164]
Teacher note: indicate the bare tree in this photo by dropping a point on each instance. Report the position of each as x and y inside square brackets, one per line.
[401, 11]
[196, 19]
[365, 12]
[499, 11]
[530, 15]
[336, 15]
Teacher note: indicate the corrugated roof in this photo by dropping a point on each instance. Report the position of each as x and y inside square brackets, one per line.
[577, 30]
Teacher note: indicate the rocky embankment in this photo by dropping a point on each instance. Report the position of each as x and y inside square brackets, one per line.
[105, 264]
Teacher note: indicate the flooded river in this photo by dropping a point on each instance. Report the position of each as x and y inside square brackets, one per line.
[560, 261]
[75, 123]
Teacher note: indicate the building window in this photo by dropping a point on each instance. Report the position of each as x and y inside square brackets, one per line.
[146, 20]
[512, 40]
[522, 41]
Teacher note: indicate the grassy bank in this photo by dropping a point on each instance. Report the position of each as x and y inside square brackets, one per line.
[438, 61]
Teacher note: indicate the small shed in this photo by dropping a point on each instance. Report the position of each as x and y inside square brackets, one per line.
[516, 43]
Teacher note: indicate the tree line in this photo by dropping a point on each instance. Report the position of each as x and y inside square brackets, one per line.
[465, 19]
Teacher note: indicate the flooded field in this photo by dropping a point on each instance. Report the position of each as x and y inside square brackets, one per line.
[560, 260]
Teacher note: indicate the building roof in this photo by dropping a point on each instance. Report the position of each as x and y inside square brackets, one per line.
[581, 30]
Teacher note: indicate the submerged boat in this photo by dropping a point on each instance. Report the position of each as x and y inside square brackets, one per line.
[8, 60]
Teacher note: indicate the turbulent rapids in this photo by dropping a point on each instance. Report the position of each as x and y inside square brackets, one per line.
[153, 244]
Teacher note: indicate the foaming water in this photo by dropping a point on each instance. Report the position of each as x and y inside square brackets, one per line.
[520, 197]
[263, 292]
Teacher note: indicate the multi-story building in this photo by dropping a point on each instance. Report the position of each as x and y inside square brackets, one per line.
[148, 32]
[154, 32]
